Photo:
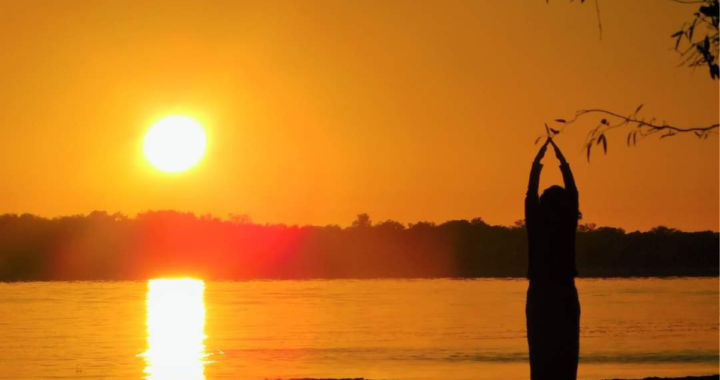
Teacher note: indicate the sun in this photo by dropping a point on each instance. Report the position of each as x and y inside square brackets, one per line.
[175, 144]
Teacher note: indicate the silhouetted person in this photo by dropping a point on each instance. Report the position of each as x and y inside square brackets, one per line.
[553, 308]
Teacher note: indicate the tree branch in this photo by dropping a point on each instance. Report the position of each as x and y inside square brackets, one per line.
[632, 119]
[640, 128]
[597, 10]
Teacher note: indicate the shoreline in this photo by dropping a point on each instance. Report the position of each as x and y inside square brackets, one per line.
[706, 377]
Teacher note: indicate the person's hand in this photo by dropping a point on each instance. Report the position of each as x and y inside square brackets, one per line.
[558, 153]
[541, 152]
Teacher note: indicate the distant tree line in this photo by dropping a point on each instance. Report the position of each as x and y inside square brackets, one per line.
[102, 246]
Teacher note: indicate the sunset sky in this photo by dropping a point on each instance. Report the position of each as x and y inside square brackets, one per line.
[316, 111]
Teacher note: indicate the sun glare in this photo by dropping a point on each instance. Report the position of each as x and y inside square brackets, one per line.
[175, 144]
[175, 330]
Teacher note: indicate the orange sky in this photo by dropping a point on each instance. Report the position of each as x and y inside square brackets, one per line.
[319, 110]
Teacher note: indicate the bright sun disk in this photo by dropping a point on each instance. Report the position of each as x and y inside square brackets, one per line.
[175, 144]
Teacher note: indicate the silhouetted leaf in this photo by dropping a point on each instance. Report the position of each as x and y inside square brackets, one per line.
[639, 108]
[714, 71]
[698, 134]
[537, 140]
[555, 131]
[561, 120]
[691, 30]
[628, 139]
[710, 11]
[547, 129]
[667, 135]
[604, 122]
[589, 146]
[602, 140]
[676, 34]
[635, 138]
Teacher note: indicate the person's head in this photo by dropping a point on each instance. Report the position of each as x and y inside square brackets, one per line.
[557, 205]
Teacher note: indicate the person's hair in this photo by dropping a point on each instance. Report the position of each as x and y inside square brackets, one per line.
[556, 203]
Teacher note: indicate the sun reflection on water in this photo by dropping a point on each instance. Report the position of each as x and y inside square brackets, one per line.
[175, 330]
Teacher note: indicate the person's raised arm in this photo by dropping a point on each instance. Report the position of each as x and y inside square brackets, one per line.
[534, 183]
[565, 169]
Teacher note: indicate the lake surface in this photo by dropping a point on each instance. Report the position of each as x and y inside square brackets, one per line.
[379, 329]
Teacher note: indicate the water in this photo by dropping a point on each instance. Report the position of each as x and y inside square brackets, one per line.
[380, 329]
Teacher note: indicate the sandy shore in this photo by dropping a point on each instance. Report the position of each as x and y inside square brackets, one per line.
[711, 377]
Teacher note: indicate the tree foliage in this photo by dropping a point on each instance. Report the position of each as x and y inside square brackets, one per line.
[102, 246]
[700, 48]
